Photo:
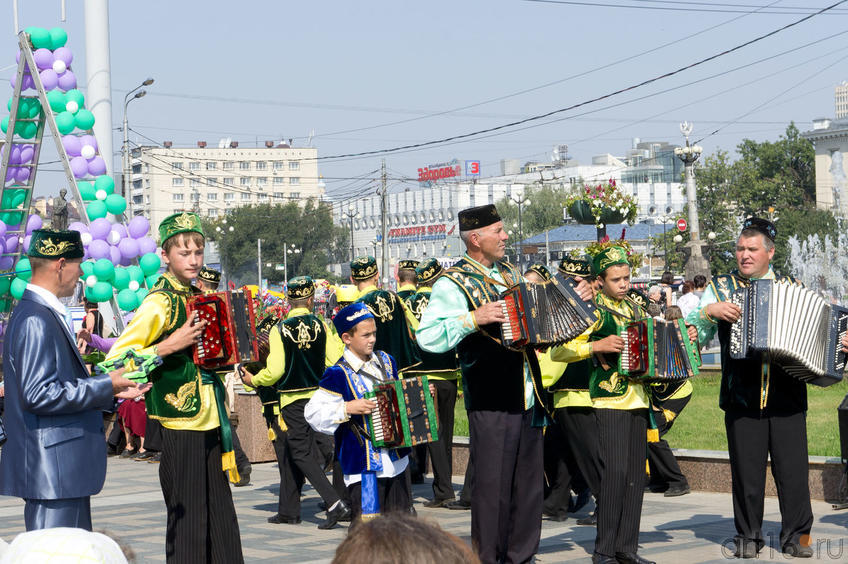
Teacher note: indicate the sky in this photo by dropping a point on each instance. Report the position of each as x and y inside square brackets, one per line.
[355, 77]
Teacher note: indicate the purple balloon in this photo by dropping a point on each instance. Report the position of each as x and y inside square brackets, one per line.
[27, 239]
[72, 145]
[27, 152]
[64, 54]
[43, 58]
[6, 263]
[68, 81]
[78, 226]
[96, 166]
[114, 255]
[34, 222]
[15, 155]
[22, 175]
[3, 233]
[146, 245]
[126, 261]
[100, 228]
[128, 248]
[49, 79]
[138, 227]
[120, 230]
[28, 83]
[88, 140]
[99, 249]
[79, 166]
[12, 242]
[2, 246]
[10, 173]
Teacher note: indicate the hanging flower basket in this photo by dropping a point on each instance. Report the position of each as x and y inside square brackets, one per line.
[601, 205]
[582, 213]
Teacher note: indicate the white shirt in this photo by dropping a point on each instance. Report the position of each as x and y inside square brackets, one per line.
[53, 302]
[326, 411]
[687, 303]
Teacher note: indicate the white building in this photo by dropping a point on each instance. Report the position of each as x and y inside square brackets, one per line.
[215, 180]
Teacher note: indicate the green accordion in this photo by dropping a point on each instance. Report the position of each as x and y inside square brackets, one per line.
[656, 350]
[405, 414]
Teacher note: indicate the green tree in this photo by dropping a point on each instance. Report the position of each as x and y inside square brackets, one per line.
[544, 211]
[308, 228]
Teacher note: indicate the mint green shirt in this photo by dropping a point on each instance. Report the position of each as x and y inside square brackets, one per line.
[447, 320]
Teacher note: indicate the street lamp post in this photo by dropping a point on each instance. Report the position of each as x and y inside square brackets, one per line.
[220, 231]
[286, 252]
[696, 263]
[126, 147]
[665, 245]
[351, 215]
[521, 202]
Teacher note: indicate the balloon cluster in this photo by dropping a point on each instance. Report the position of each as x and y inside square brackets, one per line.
[52, 58]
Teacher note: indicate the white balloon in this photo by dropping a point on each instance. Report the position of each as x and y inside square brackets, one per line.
[100, 194]
[86, 238]
[72, 107]
[91, 281]
[87, 152]
[59, 66]
[113, 237]
[133, 285]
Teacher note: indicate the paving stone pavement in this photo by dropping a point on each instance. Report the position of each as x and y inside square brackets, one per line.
[686, 529]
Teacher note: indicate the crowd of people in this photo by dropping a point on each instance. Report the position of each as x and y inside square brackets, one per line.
[605, 431]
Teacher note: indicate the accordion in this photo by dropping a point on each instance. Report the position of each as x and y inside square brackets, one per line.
[799, 330]
[656, 350]
[230, 334]
[544, 315]
[405, 414]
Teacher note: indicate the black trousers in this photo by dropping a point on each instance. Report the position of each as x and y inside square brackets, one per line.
[153, 435]
[665, 471]
[465, 493]
[750, 440]
[202, 525]
[441, 451]
[506, 506]
[242, 462]
[580, 427]
[393, 493]
[298, 459]
[623, 448]
[561, 470]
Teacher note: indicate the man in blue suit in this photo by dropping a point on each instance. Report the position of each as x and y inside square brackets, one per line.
[55, 457]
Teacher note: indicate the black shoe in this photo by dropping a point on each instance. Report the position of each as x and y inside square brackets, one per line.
[598, 558]
[156, 458]
[797, 550]
[458, 504]
[146, 455]
[590, 520]
[580, 501]
[674, 491]
[438, 502]
[335, 515]
[559, 516]
[322, 506]
[631, 558]
[280, 520]
[418, 478]
[245, 480]
[128, 453]
[746, 548]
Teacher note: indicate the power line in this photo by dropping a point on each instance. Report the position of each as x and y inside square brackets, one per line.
[799, 11]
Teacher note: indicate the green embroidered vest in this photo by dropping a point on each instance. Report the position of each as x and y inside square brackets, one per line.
[405, 294]
[607, 383]
[304, 341]
[175, 394]
[393, 334]
[430, 362]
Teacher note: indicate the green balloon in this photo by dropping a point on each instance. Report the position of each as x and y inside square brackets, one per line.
[23, 269]
[58, 38]
[39, 37]
[5, 284]
[105, 183]
[4, 124]
[34, 108]
[17, 288]
[28, 129]
[151, 280]
[19, 198]
[116, 204]
[127, 300]
[135, 273]
[87, 191]
[87, 268]
[95, 210]
[104, 269]
[74, 96]
[121, 279]
[150, 264]
[65, 122]
[100, 292]
[57, 101]
[141, 293]
[84, 119]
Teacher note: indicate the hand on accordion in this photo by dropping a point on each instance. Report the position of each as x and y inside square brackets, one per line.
[491, 312]
[359, 407]
[584, 289]
[182, 338]
[610, 344]
[845, 342]
[726, 311]
[244, 374]
[693, 332]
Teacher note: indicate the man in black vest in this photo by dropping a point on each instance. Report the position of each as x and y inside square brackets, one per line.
[764, 409]
[301, 348]
[502, 386]
[442, 370]
[406, 279]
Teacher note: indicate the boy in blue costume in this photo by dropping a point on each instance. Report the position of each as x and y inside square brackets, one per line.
[374, 476]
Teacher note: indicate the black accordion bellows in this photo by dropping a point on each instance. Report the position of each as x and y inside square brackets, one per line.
[796, 327]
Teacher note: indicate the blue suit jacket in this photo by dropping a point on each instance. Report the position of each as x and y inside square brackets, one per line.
[56, 447]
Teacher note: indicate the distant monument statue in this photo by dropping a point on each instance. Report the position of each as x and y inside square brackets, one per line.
[59, 219]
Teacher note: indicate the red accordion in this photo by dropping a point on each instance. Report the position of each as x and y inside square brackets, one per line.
[230, 334]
